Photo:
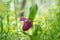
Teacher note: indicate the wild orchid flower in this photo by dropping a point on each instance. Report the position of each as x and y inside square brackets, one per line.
[27, 24]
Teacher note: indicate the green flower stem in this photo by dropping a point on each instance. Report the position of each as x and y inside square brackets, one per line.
[15, 14]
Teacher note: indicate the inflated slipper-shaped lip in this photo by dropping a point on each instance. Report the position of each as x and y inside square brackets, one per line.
[27, 24]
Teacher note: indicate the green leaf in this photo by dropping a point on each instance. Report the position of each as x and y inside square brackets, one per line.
[33, 11]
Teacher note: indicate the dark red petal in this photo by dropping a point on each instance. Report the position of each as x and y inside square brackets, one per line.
[27, 24]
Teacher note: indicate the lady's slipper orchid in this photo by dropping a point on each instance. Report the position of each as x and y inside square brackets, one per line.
[27, 24]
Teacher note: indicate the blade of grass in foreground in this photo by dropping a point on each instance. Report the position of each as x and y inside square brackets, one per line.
[1, 26]
[7, 10]
[8, 22]
[15, 7]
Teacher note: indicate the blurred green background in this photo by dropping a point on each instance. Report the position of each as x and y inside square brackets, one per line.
[45, 15]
